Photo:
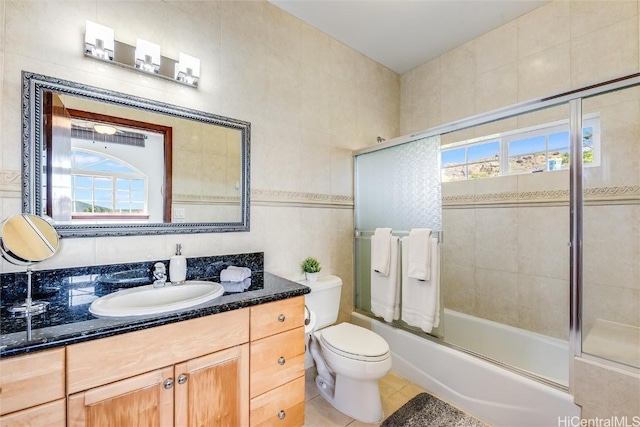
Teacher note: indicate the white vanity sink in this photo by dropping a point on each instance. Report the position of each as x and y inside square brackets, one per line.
[146, 300]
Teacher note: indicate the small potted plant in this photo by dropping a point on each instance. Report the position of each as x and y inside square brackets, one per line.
[311, 266]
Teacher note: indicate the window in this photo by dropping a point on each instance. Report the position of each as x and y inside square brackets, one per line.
[479, 160]
[103, 186]
[539, 149]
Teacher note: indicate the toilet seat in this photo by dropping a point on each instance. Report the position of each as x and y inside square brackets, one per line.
[355, 342]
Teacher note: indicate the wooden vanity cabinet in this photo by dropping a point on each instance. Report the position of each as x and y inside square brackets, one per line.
[238, 368]
[184, 374]
[32, 389]
[206, 391]
[277, 363]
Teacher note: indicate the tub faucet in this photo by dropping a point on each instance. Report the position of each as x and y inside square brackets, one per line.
[160, 274]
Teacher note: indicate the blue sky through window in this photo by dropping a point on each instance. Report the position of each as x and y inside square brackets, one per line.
[558, 140]
[485, 151]
[453, 157]
[94, 162]
[526, 146]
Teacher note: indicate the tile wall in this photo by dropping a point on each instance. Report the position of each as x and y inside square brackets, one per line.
[491, 236]
[309, 98]
[505, 256]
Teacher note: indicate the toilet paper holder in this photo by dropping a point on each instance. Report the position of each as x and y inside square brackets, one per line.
[307, 316]
[309, 320]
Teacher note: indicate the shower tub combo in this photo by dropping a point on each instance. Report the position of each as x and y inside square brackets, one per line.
[485, 390]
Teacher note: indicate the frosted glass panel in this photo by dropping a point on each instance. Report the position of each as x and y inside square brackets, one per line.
[399, 187]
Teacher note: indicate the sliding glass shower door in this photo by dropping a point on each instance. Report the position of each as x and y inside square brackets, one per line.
[505, 255]
[540, 220]
[611, 273]
[399, 188]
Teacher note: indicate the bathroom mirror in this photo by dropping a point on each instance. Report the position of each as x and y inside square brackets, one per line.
[105, 163]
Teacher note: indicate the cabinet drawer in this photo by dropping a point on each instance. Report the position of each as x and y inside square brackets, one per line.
[51, 414]
[281, 407]
[276, 360]
[275, 317]
[94, 363]
[31, 380]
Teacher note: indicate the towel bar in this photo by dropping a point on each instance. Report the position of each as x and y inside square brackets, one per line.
[359, 234]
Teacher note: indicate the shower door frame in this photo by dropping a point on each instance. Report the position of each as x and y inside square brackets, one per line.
[573, 99]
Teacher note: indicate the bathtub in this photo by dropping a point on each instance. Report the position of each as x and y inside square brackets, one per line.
[493, 394]
[541, 355]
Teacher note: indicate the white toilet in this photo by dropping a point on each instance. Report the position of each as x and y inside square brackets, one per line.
[350, 359]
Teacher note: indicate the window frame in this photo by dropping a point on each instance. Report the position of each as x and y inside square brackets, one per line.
[591, 120]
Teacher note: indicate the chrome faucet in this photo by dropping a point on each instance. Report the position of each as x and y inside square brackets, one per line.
[160, 274]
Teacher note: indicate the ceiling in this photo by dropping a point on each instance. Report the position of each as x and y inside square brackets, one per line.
[402, 34]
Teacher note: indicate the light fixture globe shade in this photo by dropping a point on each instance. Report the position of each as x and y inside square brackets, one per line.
[105, 129]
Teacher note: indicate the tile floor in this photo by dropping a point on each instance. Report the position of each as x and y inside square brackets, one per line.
[395, 392]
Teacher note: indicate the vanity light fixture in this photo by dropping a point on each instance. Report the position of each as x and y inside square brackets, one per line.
[147, 56]
[144, 57]
[98, 41]
[188, 69]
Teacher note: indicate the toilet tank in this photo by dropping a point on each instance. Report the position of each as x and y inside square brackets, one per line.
[324, 299]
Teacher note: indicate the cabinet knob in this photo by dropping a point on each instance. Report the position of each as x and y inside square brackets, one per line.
[281, 318]
[168, 383]
[182, 379]
[281, 415]
[281, 361]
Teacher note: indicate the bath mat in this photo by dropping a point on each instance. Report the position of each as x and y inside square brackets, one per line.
[425, 410]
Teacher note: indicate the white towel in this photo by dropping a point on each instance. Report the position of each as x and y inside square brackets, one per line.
[385, 289]
[236, 286]
[419, 256]
[381, 251]
[421, 299]
[234, 274]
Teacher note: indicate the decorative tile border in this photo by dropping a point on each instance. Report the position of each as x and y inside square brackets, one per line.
[544, 196]
[595, 195]
[196, 199]
[607, 192]
[10, 181]
[262, 197]
[10, 186]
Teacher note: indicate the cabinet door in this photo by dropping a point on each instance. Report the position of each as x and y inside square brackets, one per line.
[143, 400]
[213, 390]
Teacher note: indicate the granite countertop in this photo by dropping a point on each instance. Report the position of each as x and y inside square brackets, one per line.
[68, 320]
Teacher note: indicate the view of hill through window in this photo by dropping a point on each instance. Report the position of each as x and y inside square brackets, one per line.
[543, 149]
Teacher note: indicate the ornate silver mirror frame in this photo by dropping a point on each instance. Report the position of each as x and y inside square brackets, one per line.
[34, 87]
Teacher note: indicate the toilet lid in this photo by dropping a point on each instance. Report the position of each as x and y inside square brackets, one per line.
[355, 342]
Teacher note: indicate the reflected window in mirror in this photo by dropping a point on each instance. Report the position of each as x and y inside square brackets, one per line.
[106, 187]
[104, 168]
